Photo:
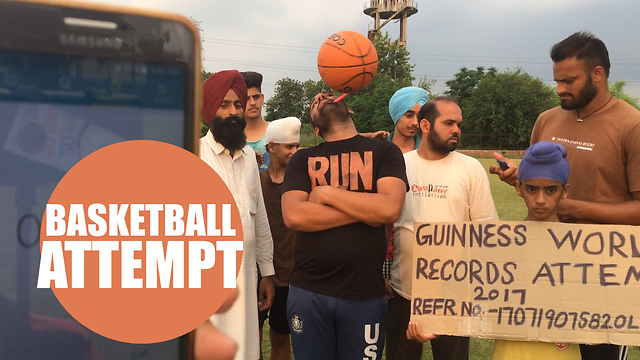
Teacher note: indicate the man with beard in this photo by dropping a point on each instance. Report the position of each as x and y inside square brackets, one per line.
[224, 149]
[445, 186]
[337, 194]
[602, 138]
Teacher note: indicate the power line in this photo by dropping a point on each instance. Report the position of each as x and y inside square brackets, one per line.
[436, 57]
[262, 45]
[260, 64]
[633, 83]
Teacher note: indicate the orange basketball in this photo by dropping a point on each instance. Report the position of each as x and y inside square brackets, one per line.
[347, 61]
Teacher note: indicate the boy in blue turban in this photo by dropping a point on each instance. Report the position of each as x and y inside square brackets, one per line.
[543, 178]
[403, 108]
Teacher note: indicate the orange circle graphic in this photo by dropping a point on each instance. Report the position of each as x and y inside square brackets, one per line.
[138, 183]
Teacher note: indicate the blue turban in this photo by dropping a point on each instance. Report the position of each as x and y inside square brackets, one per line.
[545, 160]
[404, 99]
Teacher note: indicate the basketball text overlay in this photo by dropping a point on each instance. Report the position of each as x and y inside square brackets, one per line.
[77, 223]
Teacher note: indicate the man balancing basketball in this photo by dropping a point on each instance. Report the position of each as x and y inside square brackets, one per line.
[337, 195]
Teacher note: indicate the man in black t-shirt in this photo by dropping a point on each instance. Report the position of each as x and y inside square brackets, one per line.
[337, 195]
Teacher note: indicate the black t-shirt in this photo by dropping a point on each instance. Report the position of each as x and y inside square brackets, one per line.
[345, 261]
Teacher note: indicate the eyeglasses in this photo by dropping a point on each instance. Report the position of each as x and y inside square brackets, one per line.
[256, 97]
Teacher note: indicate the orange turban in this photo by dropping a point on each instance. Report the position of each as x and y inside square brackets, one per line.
[215, 89]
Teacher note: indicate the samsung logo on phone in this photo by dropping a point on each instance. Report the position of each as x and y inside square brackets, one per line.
[88, 41]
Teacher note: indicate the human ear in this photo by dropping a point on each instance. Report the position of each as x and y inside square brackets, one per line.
[518, 188]
[425, 125]
[598, 74]
[565, 191]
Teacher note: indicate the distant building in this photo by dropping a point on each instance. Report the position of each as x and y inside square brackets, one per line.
[390, 10]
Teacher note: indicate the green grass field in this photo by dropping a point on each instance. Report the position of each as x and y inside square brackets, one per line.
[511, 208]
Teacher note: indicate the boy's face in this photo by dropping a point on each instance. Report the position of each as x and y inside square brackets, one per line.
[281, 153]
[542, 197]
[255, 100]
[408, 124]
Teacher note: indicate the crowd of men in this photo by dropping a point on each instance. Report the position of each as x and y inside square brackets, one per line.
[314, 219]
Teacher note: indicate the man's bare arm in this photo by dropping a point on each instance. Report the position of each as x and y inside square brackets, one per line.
[382, 207]
[625, 213]
[303, 215]
[377, 135]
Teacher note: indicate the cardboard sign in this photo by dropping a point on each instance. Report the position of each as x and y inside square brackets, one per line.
[531, 281]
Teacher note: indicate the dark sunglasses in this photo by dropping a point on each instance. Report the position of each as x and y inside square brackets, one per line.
[255, 97]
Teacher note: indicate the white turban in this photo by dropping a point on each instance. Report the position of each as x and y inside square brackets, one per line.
[283, 131]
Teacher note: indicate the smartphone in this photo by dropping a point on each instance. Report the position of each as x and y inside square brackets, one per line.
[73, 79]
[503, 165]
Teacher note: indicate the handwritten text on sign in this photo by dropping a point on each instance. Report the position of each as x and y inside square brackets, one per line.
[540, 281]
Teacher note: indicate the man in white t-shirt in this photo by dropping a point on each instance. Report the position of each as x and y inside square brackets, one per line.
[444, 186]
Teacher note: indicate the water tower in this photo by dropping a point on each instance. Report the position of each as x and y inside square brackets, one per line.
[390, 10]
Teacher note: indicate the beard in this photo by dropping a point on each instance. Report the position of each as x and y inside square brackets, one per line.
[440, 145]
[229, 132]
[585, 96]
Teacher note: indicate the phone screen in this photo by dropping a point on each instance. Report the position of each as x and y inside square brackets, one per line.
[66, 91]
[58, 109]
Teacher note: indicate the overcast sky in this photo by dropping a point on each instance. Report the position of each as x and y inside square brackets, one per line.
[280, 38]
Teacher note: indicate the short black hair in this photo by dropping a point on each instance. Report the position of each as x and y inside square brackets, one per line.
[252, 79]
[583, 45]
[429, 111]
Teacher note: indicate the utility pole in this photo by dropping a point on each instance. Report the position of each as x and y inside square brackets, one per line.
[199, 28]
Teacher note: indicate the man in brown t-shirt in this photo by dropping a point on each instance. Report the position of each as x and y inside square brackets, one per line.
[602, 138]
[282, 138]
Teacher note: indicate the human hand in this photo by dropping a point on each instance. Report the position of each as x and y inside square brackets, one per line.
[413, 332]
[509, 176]
[379, 135]
[389, 291]
[212, 344]
[266, 293]
[317, 195]
[259, 158]
[568, 210]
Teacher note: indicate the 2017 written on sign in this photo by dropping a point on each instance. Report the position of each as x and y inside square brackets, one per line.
[528, 280]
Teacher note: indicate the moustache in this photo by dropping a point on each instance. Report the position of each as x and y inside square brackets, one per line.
[235, 119]
[230, 123]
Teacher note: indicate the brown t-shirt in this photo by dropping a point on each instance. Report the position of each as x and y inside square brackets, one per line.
[284, 239]
[603, 150]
